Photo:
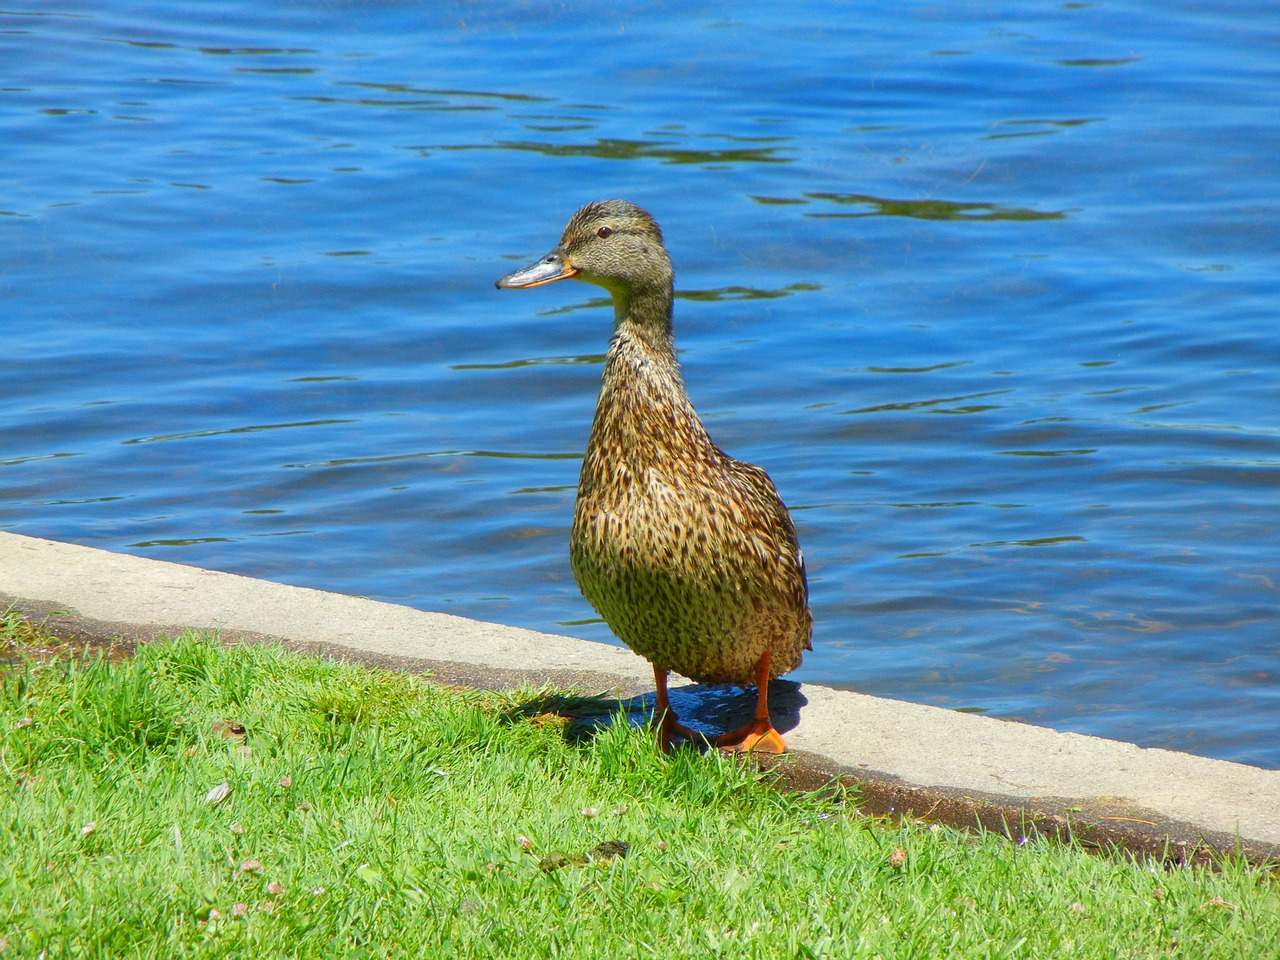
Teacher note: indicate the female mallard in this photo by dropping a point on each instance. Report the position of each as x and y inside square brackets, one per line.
[689, 555]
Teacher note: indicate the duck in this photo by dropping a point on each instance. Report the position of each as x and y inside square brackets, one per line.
[690, 556]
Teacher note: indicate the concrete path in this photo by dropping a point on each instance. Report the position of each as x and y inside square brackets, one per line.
[906, 758]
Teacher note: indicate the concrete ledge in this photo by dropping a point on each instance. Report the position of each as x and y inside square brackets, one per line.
[906, 758]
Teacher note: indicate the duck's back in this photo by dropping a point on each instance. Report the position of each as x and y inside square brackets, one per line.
[689, 555]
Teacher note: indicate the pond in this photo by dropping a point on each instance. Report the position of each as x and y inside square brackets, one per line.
[991, 295]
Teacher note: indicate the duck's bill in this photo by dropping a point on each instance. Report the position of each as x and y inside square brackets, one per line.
[554, 266]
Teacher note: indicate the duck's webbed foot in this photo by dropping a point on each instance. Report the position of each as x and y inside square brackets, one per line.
[759, 735]
[670, 729]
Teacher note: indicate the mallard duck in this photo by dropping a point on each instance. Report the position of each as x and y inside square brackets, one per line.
[689, 555]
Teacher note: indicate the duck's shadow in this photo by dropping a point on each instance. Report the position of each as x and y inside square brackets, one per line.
[707, 709]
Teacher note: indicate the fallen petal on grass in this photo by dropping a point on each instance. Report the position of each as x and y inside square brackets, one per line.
[218, 794]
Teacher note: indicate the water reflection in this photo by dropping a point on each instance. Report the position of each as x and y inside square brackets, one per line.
[1098, 62]
[663, 151]
[1031, 542]
[1082, 452]
[232, 431]
[181, 542]
[254, 51]
[746, 293]
[16, 461]
[1054, 127]
[933, 405]
[591, 359]
[417, 98]
[429, 455]
[925, 209]
[947, 365]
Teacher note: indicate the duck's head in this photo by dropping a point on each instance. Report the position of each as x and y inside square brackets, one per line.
[611, 243]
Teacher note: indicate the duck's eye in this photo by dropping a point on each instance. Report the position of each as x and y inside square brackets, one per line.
[604, 232]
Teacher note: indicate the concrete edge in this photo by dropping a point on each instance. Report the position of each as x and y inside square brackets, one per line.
[907, 760]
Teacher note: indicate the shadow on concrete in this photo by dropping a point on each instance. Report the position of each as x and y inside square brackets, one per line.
[719, 709]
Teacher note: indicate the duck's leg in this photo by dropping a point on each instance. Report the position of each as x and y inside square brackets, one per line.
[669, 726]
[760, 733]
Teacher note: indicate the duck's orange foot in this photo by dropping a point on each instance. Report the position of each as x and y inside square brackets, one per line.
[758, 735]
[670, 729]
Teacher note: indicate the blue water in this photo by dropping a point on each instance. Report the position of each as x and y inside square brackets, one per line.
[992, 295]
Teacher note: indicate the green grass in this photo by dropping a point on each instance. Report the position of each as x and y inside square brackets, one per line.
[375, 814]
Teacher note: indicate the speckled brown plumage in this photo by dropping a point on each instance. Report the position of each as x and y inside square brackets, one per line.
[689, 555]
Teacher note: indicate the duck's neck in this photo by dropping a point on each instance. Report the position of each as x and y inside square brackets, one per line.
[643, 416]
[642, 355]
[645, 317]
